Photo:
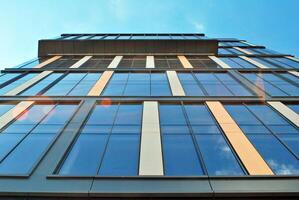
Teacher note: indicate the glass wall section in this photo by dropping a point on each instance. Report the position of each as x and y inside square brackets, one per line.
[257, 51]
[235, 62]
[294, 107]
[278, 63]
[97, 62]
[212, 84]
[108, 144]
[5, 107]
[44, 83]
[24, 141]
[202, 62]
[272, 84]
[270, 134]
[16, 83]
[64, 62]
[227, 44]
[167, 62]
[229, 51]
[74, 84]
[138, 84]
[8, 76]
[32, 63]
[132, 62]
[193, 144]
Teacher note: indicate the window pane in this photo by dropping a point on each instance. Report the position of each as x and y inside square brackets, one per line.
[277, 156]
[4, 108]
[180, 157]
[35, 89]
[121, 157]
[16, 83]
[218, 156]
[85, 155]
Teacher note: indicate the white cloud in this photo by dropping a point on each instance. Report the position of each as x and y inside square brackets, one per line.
[199, 27]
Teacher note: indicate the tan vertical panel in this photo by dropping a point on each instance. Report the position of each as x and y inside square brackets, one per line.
[285, 111]
[249, 156]
[115, 62]
[98, 87]
[81, 62]
[47, 61]
[14, 112]
[294, 73]
[293, 58]
[185, 62]
[150, 62]
[28, 83]
[151, 161]
[243, 50]
[219, 62]
[253, 62]
[175, 84]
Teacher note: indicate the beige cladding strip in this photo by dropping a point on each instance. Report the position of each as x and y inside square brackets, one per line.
[249, 156]
[219, 62]
[115, 62]
[293, 58]
[14, 112]
[185, 62]
[285, 111]
[47, 61]
[28, 83]
[150, 62]
[243, 50]
[295, 73]
[81, 62]
[151, 160]
[253, 62]
[99, 86]
[175, 84]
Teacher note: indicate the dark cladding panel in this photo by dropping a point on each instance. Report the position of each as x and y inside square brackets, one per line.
[47, 47]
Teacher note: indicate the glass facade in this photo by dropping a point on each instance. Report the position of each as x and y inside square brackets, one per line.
[180, 117]
[271, 134]
[212, 84]
[28, 137]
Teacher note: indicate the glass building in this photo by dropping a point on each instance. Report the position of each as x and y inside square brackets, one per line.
[150, 116]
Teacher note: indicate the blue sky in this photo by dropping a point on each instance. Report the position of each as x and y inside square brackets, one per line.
[272, 23]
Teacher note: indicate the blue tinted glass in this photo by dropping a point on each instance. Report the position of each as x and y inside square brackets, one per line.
[85, 85]
[121, 157]
[267, 115]
[41, 85]
[34, 114]
[102, 115]
[276, 155]
[28, 153]
[85, 156]
[294, 108]
[159, 85]
[242, 115]
[180, 157]
[218, 156]
[172, 115]
[116, 85]
[292, 142]
[129, 114]
[4, 108]
[16, 83]
[7, 77]
[138, 85]
[198, 114]
[7, 142]
[191, 87]
[64, 86]
[60, 114]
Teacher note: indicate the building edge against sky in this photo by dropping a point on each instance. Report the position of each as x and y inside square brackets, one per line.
[150, 115]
